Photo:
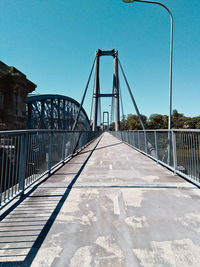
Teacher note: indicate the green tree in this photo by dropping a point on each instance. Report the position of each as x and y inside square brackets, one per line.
[198, 123]
[157, 121]
[133, 122]
[177, 120]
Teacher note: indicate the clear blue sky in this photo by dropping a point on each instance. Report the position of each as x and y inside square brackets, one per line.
[54, 42]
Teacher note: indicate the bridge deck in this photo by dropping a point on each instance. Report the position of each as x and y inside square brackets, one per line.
[109, 206]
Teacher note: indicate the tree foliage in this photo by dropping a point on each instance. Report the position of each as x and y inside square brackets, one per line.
[158, 121]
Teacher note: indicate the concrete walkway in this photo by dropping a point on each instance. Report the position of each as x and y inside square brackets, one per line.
[108, 206]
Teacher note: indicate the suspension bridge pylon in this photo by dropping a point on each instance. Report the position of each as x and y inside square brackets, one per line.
[115, 91]
[95, 113]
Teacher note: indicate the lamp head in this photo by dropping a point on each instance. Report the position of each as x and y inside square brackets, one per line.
[128, 1]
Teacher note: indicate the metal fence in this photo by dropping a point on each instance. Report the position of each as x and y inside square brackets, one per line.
[179, 150]
[26, 156]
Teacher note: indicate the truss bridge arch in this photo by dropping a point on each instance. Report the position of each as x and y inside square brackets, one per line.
[54, 112]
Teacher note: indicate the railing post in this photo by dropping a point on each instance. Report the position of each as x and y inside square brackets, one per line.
[174, 150]
[156, 145]
[22, 163]
[50, 151]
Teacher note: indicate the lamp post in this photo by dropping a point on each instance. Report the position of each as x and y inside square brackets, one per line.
[170, 75]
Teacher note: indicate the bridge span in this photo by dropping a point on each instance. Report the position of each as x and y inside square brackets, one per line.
[108, 206]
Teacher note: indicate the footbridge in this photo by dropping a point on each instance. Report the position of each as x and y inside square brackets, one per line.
[109, 205]
[72, 194]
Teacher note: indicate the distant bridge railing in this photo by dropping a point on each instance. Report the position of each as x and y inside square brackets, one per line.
[185, 149]
[28, 155]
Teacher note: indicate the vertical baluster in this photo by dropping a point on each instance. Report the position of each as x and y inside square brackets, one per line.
[72, 143]
[6, 171]
[10, 165]
[185, 152]
[28, 167]
[195, 158]
[198, 156]
[192, 155]
[145, 142]
[63, 146]
[34, 157]
[50, 151]
[139, 140]
[38, 154]
[17, 165]
[188, 151]
[174, 150]
[123, 136]
[156, 145]
[134, 139]
[2, 171]
[179, 150]
[14, 166]
[30, 159]
[22, 163]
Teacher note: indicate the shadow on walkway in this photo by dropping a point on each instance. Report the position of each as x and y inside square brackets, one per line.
[15, 229]
[103, 147]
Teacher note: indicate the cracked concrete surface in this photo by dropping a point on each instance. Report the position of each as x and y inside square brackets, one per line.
[123, 210]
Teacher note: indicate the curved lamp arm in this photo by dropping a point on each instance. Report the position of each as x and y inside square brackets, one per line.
[171, 51]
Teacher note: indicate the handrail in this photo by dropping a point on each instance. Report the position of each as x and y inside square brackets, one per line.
[28, 155]
[185, 154]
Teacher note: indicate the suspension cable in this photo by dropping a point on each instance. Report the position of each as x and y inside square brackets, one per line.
[132, 98]
[80, 107]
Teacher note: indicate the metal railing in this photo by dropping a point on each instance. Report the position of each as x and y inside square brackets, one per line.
[184, 158]
[28, 155]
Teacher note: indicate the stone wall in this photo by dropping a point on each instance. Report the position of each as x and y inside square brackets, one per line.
[14, 87]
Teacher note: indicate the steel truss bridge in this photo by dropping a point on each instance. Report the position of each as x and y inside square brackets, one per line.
[54, 112]
[74, 196]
